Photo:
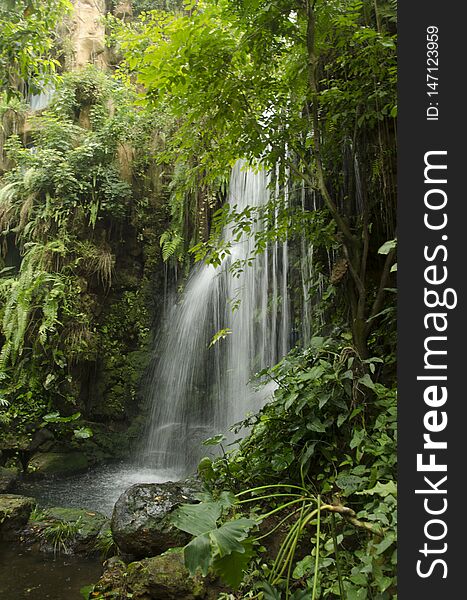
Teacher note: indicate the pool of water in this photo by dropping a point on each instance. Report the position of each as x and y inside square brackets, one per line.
[96, 490]
[26, 574]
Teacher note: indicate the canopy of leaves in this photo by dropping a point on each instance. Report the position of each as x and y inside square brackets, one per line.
[28, 36]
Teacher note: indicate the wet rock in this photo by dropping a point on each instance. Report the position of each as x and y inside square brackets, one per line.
[69, 530]
[14, 514]
[141, 518]
[49, 464]
[8, 478]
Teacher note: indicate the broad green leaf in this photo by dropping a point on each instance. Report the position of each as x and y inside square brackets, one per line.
[231, 567]
[354, 593]
[314, 373]
[227, 538]
[270, 592]
[197, 519]
[198, 554]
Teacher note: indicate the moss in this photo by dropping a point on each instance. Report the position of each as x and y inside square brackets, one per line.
[50, 464]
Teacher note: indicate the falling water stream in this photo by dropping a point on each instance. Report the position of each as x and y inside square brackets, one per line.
[200, 389]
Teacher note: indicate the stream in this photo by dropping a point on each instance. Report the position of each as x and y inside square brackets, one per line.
[26, 574]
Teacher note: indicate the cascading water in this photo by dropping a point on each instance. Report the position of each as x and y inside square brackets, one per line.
[42, 99]
[198, 391]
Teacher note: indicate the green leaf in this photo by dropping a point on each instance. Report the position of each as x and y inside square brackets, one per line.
[197, 519]
[227, 538]
[83, 433]
[357, 438]
[354, 593]
[387, 247]
[56, 418]
[304, 567]
[198, 554]
[382, 489]
[385, 543]
[231, 567]
[349, 483]
[215, 440]
[314, 373]
[220, 335]
[367, 381]
[270, 593]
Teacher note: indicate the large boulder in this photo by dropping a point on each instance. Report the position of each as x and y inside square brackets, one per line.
[14, 514]
[158, 578]
[164, 578]
[51, 464]
[141, 523]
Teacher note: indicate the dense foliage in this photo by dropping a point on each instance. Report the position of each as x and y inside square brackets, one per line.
[28, 42]
[71, 209]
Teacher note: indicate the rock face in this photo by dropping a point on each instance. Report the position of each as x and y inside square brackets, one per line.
[14, 514]
[158, 578]
[88, 32]
[141, 518]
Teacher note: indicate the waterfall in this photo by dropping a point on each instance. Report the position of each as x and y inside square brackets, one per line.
[199, 389]
[42, 99]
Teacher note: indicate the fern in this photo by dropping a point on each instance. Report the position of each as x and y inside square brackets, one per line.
[170, 241]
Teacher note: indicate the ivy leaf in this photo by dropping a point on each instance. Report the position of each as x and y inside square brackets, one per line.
[354, 593]
[198, 554]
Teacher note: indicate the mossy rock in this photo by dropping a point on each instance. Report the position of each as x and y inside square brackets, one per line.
[8, 478]
[14, 514]
[161, 577]
[50, 464]
[75, 529]
[164, 577]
